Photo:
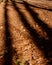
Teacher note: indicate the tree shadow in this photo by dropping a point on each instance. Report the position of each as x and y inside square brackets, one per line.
[40, 7]
[42, 44]
[49, 9]
[8, 41]
[46, 43]
[37, 20]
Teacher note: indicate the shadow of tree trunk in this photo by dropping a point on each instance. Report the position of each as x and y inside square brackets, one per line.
[8, 41]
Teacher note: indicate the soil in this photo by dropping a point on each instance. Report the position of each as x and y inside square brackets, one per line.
[25, 34]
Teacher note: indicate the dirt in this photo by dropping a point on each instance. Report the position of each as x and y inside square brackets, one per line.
[25, 34]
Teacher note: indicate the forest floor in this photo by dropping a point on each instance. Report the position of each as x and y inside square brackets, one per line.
[25, 34]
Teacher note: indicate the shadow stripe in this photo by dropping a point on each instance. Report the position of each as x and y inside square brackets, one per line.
[8, 41]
